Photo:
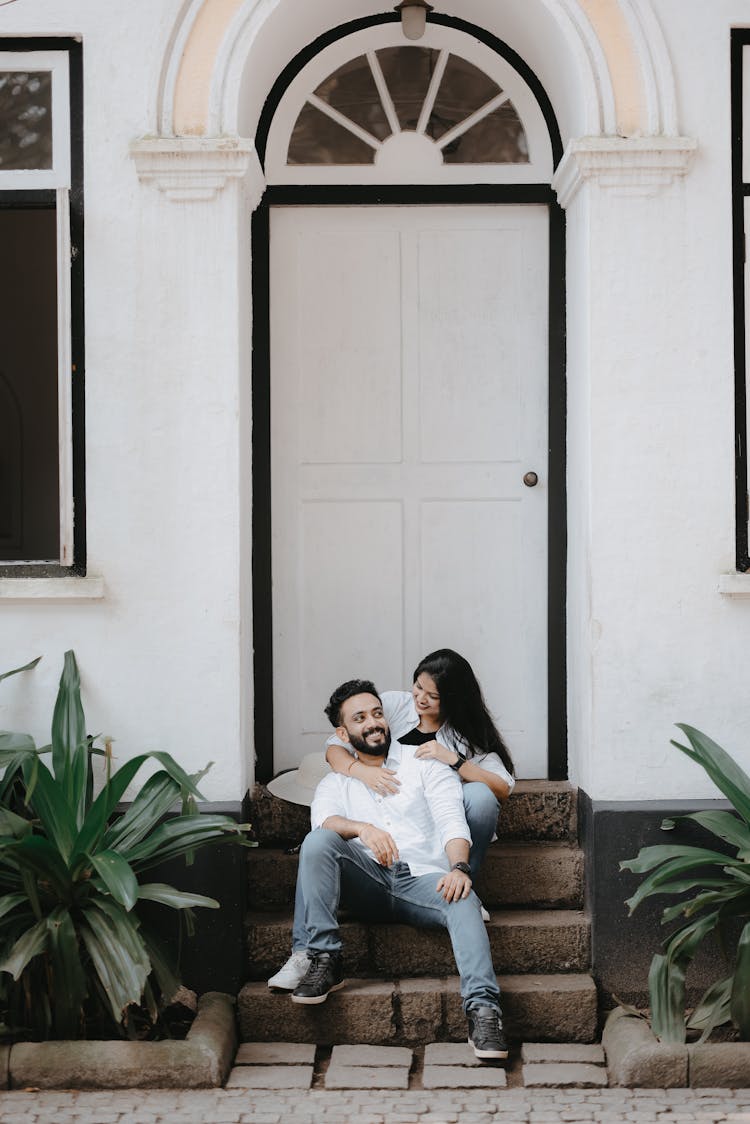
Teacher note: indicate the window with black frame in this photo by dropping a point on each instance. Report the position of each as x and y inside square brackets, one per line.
[36, 360]
[741, 217]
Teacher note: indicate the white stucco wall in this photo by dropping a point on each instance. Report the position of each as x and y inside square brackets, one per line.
[166, 654]
[160, 654]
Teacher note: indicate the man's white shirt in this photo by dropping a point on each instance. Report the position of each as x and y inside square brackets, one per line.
[422, 817]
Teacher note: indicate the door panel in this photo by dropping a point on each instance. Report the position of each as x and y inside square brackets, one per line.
[408, 399]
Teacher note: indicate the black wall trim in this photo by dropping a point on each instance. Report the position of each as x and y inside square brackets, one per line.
[497, 45]
[421, 195]
[46, 198]
[739, 39]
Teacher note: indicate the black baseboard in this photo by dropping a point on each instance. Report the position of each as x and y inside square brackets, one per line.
[213, 958]
[623, 945]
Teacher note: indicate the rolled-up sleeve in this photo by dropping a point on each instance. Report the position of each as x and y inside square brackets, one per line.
[444, 793]
[327, 801]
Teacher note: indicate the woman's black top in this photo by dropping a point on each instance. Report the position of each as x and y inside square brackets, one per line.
[416, 737]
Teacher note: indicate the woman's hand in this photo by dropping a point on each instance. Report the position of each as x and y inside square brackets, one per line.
[437, 752]
[382, 781]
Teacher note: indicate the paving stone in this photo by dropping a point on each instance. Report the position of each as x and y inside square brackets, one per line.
[275, 1053]
[562, 1052]
[371, 1055]
[450, 1053]
[270, 1077]
[558, 1074]
[463, 1077]
[367, 1077]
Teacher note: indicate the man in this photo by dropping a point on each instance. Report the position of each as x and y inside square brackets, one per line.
[403, 859]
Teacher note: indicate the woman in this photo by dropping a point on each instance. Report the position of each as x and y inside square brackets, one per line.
[446, 717]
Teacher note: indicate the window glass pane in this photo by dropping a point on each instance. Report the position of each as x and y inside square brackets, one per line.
[352, 90]
[498, 138]
[29, 503]
[317, 139]
[25, 119]
[463, 90]
[407, 72]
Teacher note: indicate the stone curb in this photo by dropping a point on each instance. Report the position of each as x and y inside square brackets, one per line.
[637, 1059]
[203, 1060]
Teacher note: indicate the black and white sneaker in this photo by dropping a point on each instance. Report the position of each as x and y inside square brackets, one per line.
[323, 975]
[486, 1033]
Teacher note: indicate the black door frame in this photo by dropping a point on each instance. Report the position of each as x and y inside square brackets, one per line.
[411, 195]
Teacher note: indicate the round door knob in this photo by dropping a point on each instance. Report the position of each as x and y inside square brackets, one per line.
[531, 479]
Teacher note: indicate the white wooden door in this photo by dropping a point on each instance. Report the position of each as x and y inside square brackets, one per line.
[408, 400]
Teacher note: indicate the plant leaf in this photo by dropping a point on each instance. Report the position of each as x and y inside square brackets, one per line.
[177, 899]
[69, 979]
[740, 1000]
[8, 902]
[725, 825]
[713, 1008]
[723, 770]
[68, 722]
[52, 809]
[16, 670]
[182, 834]
[650, 857]
[658, 881]
[29, 945]
[158, 795]
[117, 875]
[666, 985]
[118, 954]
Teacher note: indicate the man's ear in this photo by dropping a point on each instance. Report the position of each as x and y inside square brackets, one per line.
[343, 733]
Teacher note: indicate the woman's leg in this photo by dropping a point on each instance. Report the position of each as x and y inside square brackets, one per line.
[482, 808]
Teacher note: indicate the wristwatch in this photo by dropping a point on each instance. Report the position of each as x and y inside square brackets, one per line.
[463, 867]
[460, 760]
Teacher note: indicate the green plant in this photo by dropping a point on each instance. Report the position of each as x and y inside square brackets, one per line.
[719, 889]
[72, 945]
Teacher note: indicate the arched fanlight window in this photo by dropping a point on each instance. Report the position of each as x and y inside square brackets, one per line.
[436, 94]
[370, 108]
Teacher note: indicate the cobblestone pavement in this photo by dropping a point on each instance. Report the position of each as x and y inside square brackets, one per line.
[509, 1106]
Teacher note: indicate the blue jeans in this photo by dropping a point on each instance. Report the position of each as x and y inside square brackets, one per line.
[333, 869]
[481, 808]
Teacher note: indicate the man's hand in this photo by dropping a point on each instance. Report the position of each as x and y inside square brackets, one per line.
[454, 885]
[381, 844]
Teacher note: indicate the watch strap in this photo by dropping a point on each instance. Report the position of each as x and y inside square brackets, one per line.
[463, 867]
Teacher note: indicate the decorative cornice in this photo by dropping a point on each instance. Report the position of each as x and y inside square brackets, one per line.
[198, 168]
[626, 165]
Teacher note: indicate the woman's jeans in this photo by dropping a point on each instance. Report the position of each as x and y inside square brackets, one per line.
[481, 808]
[334, 870]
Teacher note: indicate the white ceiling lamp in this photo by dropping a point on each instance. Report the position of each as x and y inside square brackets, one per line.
[413, 17]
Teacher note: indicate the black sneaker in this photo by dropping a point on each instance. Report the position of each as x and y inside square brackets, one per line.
[323, 975]
[486, 1033]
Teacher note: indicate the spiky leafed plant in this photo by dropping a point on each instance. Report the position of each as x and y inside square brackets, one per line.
[72, 944]
[719, 889]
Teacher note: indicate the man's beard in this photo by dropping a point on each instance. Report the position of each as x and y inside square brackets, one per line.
[361, 745]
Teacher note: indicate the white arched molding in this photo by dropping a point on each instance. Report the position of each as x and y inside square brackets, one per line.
[588, 56]
[198, 168]
[623, 165]
[656, 68]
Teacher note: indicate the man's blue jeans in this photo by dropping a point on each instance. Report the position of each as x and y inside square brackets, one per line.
[481, 808]
[333, 869]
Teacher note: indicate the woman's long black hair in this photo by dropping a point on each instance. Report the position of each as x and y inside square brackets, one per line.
[462, 705]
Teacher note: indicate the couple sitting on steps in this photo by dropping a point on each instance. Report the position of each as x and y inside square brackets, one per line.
[398, 836]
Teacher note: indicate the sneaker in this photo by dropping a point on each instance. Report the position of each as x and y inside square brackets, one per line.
[323, 975]
[292, 973]
[486, 1033]
[485, 913]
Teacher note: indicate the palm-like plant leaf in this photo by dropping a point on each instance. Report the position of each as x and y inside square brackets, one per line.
[177, 899]
[53, 810]
[725, 825]
[68, 974]
[118, 956]
[117, 875]
[68, 724]
[723, 770]
[713, 1008]
[29, 944]
[16, 670]
[666, 986]
[740, 999]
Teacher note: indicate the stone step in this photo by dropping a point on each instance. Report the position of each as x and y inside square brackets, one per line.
[537, 1008]
[537, 810]
[521, 941]
[549, 875]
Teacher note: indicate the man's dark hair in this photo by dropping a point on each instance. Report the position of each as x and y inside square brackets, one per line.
[346, 691]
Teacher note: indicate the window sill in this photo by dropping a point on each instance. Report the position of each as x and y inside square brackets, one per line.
[52, 589]
[734, 585]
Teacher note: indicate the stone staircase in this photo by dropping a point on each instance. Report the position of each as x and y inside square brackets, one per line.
[402, 987]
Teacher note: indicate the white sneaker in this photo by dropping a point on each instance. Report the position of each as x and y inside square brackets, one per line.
[292, 973]
[485, 913]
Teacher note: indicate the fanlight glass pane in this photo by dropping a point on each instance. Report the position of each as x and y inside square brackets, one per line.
[25, 120]
[498, 138]
[351, 89]
[407, 72]
[464, 89]
[317, 139]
